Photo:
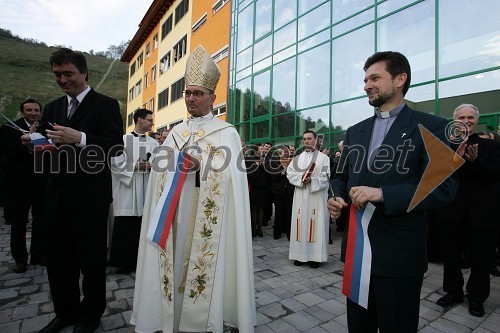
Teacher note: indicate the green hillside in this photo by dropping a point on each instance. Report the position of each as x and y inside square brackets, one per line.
[25, 72]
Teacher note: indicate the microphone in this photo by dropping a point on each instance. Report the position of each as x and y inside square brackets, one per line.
[148, 155]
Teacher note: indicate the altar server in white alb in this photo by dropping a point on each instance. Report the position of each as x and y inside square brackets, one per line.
[201, 278]
[309, 172]
[130, 174]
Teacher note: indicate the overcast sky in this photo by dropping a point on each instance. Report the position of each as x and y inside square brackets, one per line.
[81, 24]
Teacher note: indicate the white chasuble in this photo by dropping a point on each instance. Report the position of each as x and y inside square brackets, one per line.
[310, 218]
[204, 277]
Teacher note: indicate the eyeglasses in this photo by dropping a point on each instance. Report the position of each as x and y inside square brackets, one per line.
[196, 93]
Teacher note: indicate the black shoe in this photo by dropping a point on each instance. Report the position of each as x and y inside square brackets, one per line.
[313, 264]
[56, 325]
[476, 309]
[20, 267]
[494, 271]
[449, 299]
[297, 263]
[41, 260]
[259, 233]
[330, 241]
[86, 328]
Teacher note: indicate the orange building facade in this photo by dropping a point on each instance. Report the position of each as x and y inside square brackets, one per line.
[158, 52]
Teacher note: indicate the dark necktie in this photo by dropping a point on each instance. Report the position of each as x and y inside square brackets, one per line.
[74, 104]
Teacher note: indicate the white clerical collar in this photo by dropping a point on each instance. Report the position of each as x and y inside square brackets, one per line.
[392, 113]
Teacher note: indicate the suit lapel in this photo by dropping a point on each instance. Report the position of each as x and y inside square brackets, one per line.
[365, 134]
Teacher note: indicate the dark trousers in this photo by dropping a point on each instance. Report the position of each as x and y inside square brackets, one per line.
[282, 214]
[77, 243]
[393, 306]
[480, 242]
[20, 204]
[125, 241]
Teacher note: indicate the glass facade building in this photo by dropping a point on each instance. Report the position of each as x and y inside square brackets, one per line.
[298, 64]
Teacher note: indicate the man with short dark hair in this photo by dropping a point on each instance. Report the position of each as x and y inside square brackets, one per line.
[25, 189]
[379, 177]
[130, 174]
[85, 126]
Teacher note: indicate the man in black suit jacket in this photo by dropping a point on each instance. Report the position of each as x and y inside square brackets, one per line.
[25, 189]
[85, 126]
[472, 218]
[382, 163]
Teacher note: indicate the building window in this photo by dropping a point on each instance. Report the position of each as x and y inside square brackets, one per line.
[180, 49]
[137, 89]
[131, 94]
[132, 69]
[155, 42]
[219, 109]
[163, 99]
[140, 60]
[177, 89]
[152, 104]
[181, 10]
[218, 5]
[199, 23]
[130, 119]
[172, 124]
[221, 54]
[153, 74]
[166, 27]
[146, 83]
[148, 47]
[165, 63]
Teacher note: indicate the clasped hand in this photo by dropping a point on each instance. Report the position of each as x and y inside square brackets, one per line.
[64, 135]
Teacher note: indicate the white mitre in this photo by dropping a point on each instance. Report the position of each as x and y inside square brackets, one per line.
[201, 70]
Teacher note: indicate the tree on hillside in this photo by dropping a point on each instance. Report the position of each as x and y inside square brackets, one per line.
[116, 51]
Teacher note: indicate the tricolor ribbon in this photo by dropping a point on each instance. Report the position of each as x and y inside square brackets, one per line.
[358, 257]
[163, 216]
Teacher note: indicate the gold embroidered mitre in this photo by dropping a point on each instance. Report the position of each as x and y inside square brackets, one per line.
[201, 70]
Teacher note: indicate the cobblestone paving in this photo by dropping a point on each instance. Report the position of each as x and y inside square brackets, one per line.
[289, 298]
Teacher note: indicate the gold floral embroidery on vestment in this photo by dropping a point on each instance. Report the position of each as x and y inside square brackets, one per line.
[204, 252]
[199, 133]
[167, 271]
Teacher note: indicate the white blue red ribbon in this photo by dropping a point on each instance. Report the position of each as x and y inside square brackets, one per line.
[358, 257]
[163, 216]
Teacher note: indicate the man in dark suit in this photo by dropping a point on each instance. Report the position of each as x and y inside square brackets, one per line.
[25, 189]
[382, 164]
[85, 126]
[472, 218]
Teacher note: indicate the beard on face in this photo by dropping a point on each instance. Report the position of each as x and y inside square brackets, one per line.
[382, 98]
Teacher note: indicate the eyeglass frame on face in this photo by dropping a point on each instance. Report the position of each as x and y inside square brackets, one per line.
[198, 94]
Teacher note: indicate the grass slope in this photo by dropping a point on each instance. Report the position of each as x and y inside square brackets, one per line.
[25, 73]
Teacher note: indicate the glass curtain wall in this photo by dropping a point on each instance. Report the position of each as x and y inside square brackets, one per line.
[298, 64]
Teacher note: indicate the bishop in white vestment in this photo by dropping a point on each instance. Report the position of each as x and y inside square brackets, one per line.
[309, 172]
[202, 280]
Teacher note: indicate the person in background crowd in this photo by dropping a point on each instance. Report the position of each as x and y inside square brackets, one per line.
[164, 135]
[156, 136]
[258, 182]
[201, 279]
[268, 205]
[464, 221]
[25, 189]
[130, 174]
[85, 126]
[379, 186]
[282, 191]
[309, 172]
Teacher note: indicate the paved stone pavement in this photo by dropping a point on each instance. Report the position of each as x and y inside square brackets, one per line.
[289, 298]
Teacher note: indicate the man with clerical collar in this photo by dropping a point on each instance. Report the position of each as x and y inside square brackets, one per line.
[309, 172]
[380, 187]
[199, 278]
[130, 174]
